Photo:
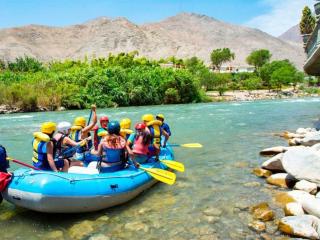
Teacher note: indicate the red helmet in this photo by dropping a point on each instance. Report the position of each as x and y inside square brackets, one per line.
[140, 126]
[104, 119]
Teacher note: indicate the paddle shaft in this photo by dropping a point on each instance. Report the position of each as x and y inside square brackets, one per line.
[89, 118]
[22, 163]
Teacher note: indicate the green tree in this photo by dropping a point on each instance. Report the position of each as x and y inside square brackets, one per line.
[252, 83]
[285, 75]
[259, 58]
[307, 22]
[267, 70]
[220, 56]
[221, 82]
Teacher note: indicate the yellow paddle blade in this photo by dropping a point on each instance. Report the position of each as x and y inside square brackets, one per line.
[192, 145]
[173, 165]
[161, 175]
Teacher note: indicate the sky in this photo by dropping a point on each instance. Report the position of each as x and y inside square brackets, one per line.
[271, 16]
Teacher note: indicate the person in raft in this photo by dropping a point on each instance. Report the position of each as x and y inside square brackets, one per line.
[80, 131]
[164, 125]
[65, 145]
[112, 149]
[138, 144]
[44, 150]
[154, 128]
[125, 128]
[101, 132]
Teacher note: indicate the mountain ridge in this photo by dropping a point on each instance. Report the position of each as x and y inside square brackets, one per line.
[183, 35]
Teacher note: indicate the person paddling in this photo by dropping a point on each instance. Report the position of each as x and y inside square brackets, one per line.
[44, 150]
[65, 145]
[138, 144]
[80, 131]
[156, 132]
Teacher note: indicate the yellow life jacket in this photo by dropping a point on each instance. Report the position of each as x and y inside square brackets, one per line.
[155, 130]
[125, 133]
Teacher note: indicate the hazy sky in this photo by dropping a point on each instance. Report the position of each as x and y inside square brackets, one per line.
[272, 16]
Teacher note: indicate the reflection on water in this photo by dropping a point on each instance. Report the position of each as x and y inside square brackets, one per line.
[208, 201]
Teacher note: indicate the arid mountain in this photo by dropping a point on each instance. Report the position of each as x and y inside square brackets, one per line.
[292, 35]
[184, 35]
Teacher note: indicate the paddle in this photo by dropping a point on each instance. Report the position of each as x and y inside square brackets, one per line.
[187, 145]
[161, 175]
[173, 165]
[89, 117]
[22, 163]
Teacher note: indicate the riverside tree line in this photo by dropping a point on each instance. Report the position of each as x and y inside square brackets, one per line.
[126, 79]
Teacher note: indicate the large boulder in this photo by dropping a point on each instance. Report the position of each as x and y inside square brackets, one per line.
[300, 196]
[306, 226]
[274, 163]
[302, 163]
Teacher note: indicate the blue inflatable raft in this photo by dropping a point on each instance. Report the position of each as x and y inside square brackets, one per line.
[52, 192]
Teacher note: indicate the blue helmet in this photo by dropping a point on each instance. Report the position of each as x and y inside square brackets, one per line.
[114, 127]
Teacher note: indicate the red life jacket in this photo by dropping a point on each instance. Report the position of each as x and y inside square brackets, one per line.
[5, 178]
[139, 147]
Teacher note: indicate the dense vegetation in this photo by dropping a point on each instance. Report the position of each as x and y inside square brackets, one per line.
[125, 80]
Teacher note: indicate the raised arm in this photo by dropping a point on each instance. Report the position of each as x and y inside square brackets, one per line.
[93, 123]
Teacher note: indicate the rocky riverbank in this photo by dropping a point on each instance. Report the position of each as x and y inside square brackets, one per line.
[6, 109]
[245, 95]
[295, 169]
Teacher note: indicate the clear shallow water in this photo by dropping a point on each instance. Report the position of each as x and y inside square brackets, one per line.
[232, 135]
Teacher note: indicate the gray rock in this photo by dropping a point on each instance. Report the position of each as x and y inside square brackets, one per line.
[293, 209]
[274, 163]
[301, 226]
[302, 163]
[306, 186]
[212, 212]
[273, 151]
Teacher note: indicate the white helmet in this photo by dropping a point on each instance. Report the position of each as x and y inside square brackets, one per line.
[64, 127]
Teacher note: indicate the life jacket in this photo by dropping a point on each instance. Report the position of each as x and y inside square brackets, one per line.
[125, 133]
[61, 149]
[139, 147]
[40, 158]
[76, 136]
[155, 130]
[4, 163]
[114, 152]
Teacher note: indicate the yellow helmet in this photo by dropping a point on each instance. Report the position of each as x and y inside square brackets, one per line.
[160, 116]
[147, 118]
[80, 121]
[125, 123]
[48, 127]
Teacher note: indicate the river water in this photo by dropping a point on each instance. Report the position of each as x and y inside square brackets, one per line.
[232, 135]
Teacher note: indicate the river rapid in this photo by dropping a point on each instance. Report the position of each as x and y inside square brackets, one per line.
[208, 201]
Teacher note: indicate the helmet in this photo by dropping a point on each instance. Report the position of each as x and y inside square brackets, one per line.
[147, 118]
[48, 127]
[114, 127]
[80, 121]
[64, 127]
[125, 123]
[161, 116]
[140, 126]
[104, 119]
